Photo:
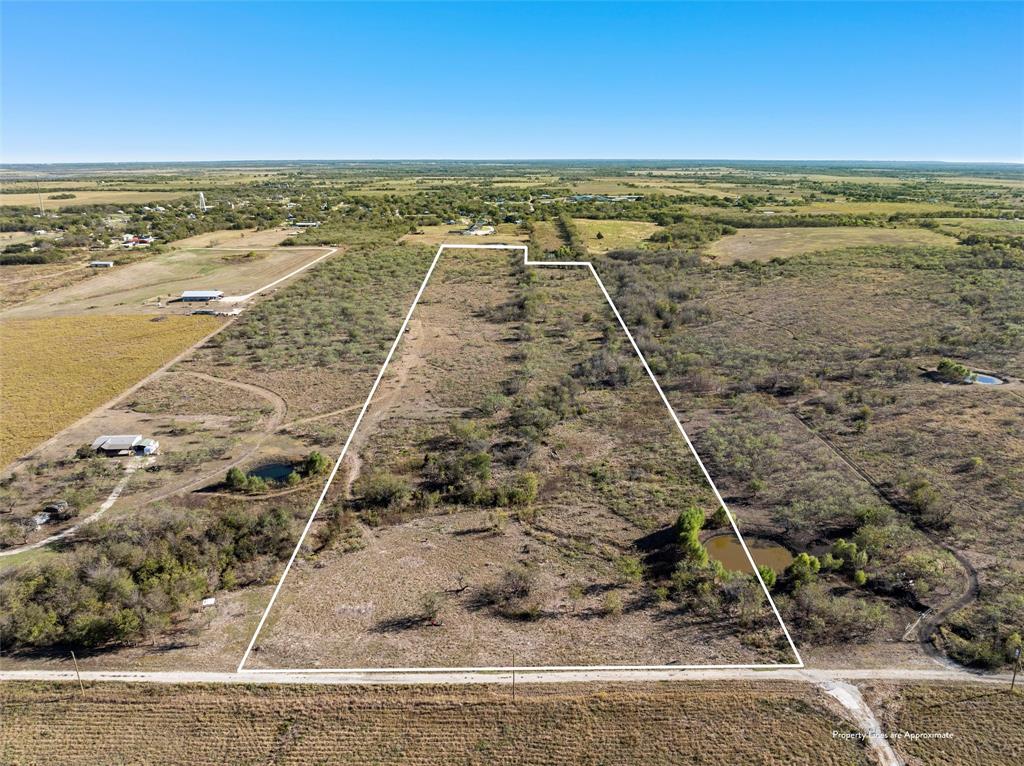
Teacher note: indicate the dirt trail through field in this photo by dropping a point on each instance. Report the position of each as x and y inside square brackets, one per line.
[388, 401]
[133, 464]
[321, 416]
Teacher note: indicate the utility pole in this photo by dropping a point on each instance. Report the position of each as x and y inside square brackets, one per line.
[513, 678]
[1016, 667]
[78, 673]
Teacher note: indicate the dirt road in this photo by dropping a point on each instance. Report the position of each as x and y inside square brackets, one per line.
[133, 464]
[817, 676]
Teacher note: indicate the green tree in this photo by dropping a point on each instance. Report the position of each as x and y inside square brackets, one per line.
[953, 372]
[803, 570]
[237, 480]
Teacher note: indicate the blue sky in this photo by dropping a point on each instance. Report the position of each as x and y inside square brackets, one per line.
[209, 81]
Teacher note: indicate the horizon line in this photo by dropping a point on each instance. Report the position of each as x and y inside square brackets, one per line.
[509, 160]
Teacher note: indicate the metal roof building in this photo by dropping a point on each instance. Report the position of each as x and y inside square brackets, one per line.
[202, 295]
[125, 443]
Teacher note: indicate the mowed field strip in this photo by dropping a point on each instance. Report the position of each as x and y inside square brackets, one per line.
[348, 443]
[139, 287]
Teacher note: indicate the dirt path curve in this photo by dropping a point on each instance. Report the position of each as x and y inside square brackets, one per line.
[321, 416]
[849, 697]
[273, 424]
[930, 621]
[133, 464]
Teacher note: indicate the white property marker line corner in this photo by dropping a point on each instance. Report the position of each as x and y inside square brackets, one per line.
[555, 668]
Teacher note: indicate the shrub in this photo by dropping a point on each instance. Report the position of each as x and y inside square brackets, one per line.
[768, 575]
[804, 570]
[613, 603]
[718, 519]
[630, 569]
[688, 526]
[237, 480]
[383, 490]
[949, 371]
[430, 606]
[510, 593]
[315, 464]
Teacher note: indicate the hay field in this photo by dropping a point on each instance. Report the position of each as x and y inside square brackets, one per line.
[616, 235]
[57, 370]
[31, 199]
[984, 722]
[696, 723]
[765, 244]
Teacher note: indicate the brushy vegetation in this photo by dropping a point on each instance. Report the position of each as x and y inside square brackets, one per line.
[128, 581]
[334, 315]
[690, 320]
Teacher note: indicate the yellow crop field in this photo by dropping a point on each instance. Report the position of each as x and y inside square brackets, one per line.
[54, 371]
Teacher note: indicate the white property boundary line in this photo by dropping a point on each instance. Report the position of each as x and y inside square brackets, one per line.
[344, 450]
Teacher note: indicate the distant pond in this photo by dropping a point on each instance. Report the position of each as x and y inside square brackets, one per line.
[727, 549]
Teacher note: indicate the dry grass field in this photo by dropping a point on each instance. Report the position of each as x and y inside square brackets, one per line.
[139, 287]
[57, 370]
[713, 724]
[615, 235]
[853, 207]
[19, 284]
[984, 723]
[437, 235]
[256, 239]
[489, 343]
[765, 244]
[87, 197]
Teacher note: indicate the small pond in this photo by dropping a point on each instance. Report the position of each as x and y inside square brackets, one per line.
[987, 380]
[272, 471]
[727, 549]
